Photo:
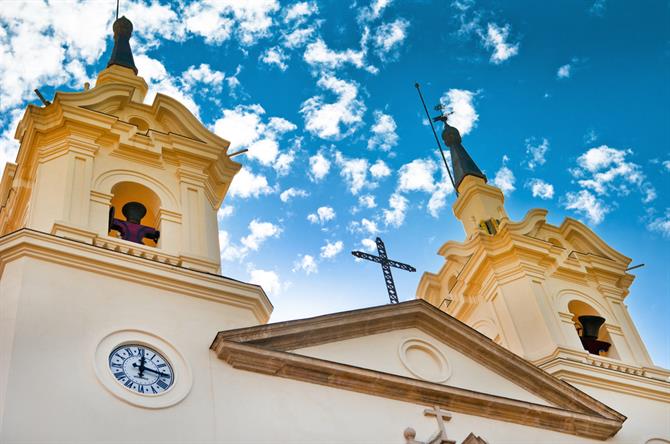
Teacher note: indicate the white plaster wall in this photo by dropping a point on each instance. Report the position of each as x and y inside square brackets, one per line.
[61, 314]
[259, 409]
[380, 352]
[647, 418]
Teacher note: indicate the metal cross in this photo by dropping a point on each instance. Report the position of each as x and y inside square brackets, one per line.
[386, 264]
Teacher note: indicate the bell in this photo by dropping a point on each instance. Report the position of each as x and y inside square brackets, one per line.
[591, 326]
[134, 212]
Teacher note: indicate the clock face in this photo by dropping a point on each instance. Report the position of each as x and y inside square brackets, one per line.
[141, 369]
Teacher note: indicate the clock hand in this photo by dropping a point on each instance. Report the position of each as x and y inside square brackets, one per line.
[165, 375]
[142, 361]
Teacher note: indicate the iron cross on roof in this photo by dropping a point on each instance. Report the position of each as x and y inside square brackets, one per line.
[386, 267]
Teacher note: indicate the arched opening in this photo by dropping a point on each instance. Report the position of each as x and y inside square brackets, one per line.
[602, 343]
[126, 192]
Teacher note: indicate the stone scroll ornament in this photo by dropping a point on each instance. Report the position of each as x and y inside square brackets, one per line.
[132, 229]
[439, 437]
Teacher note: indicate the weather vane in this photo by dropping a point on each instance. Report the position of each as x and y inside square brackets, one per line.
[441, 117]
[386, 264]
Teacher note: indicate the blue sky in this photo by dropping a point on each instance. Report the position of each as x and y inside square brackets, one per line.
[563, 105]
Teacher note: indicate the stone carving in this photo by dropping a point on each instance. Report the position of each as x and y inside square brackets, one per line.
[440, 436]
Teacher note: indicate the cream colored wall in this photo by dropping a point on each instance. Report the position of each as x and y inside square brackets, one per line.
[647, 418]
[381, 352]
[54, 316]
[255, 408]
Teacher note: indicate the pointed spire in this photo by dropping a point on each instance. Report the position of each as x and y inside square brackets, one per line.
[122, 55]
[460, 159]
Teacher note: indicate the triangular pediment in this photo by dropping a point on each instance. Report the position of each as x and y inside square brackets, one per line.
[357, 351]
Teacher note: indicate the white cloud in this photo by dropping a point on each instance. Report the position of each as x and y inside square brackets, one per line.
[666, 164]
[44, 44]
[603, 169]
[306, 263]
[223, 212]
[244, 128]
[322, 215]
[364, 226]
[380, 170]
[275, 56]
[598, 8]
[230, 251]
[337, 119]
[590, 136]
[564, 71]
[367, 201]
[283, 163]
[460, 102]
[9, 147]
[259, 232]
[369, 245]
[204, 77]
[383, 130]
[319, 167]
[374, 11]
[540, 188]
[496, 38]
[330, 250]
[353, 171]
[216, 20]
[298, 37]
[247, 184]
[661, 224]
[536, 152]
[289, 194]
[389, 36]
[267, 279]
[417, 176]
[319, 55]
[395, 216]
[160, 81]
[438, 199]
[504, 178]
[585, 203]
[298, 12]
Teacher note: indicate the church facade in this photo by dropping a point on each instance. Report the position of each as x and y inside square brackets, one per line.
[116, 324]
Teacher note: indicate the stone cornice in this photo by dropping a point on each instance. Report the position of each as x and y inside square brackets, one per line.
[129, 267]
[418, 314]
[375, 383]
[610, 375]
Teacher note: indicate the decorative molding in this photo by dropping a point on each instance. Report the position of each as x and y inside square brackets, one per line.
[133, 268]
[442, 370]
[264, 349]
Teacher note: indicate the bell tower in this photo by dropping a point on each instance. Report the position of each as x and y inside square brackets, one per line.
[89, 154]
[108, 247]
[551, 294]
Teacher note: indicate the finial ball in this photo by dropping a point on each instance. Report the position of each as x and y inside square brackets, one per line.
[122, 27]
[451, 136]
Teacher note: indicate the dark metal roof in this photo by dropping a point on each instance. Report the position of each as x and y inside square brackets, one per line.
[122, 55]
[460, 159]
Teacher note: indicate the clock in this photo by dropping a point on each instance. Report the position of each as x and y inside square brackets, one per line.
[141, 369]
